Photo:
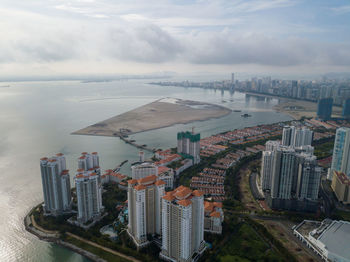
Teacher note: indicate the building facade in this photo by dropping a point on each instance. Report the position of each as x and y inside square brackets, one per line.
[182, 225]
[188, 144]
[56, 185]
[341, 152]
[290, 178]
[213, 217]
[144, 169]
[341, 187]
[89, 196]
[324, 108]
[145, 205]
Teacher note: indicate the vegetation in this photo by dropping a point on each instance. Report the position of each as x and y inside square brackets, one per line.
[243, 240]
[323, 150]
[111, 198]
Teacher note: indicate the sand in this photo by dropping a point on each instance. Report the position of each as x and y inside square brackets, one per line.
[299, 108]
[161, 113]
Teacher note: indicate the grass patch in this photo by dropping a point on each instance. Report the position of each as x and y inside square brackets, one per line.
[95, 250]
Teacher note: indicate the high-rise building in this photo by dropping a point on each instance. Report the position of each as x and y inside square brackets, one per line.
[145, 208]
[89, 162]
[341, 151]
[341, 187]
[346, 108]
[290, 177]
[266, 170]
[302, 137]
[56, 185]
[288, 135]
[143, 169]
[296, 137]
[89, 196]
[283, 170]
[324, 108]
[182, 225]
[188, 144]
[309, 177]
[233, 78]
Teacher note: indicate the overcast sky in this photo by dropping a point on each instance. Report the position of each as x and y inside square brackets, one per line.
[60, 37]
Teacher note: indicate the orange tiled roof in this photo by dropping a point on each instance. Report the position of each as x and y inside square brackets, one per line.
[197, 193]
[139, 187]
[59, 154]
[44, 158]
[148, 179]
[159, 183]
[218, 204]
[169, 197]
[163, 169]
[215, 214]
[132, 181]
[183, 193]
[185, 202]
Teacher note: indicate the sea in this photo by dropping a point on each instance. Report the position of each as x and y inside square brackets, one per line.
[37, 119]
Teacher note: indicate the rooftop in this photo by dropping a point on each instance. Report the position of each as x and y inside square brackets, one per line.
[336, 238]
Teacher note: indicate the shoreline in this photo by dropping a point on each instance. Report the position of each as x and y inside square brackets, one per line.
[155, 128]
[155, 115]
[54, 238]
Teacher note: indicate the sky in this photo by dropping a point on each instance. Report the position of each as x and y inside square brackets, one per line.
[98, 37]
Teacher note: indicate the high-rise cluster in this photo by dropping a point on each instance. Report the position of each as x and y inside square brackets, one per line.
[290, 175]
[56, 185]
[296, 137]
[57, 188]
[188, 144]
[175, 217]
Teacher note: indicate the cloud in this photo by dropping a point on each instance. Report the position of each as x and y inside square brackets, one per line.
[196, 33]
[225, 48]
[147, 44]
[341, 9]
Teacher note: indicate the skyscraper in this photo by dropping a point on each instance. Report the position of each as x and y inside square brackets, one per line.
[341, 152]
[182, 224]
[346, 108]
[324, 108]
[89, 196]
[188, 144]
[144, 169]
[309, 177]
[296, 137]
[290, 177]
[145, 205]
[266, 170]
[302, 137]
[56, 185]
[288, 135]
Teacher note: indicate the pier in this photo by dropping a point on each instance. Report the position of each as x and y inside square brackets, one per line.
[117, 168]
[144, 147]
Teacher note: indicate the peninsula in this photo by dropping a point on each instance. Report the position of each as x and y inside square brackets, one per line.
[160, 113]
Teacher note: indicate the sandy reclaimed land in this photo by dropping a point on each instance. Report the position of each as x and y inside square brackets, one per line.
[161, 113]
[299, 108]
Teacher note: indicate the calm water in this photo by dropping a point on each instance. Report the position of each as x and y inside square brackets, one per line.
[36, 119]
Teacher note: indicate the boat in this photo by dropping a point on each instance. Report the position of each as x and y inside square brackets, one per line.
[237, 111]
[246, 115]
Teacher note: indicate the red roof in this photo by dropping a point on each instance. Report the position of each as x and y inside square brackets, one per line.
[159, 183]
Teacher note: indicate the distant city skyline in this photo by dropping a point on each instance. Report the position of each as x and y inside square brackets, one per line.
[82, 37]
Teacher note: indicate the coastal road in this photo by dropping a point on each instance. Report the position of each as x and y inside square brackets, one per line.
[103, 248]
